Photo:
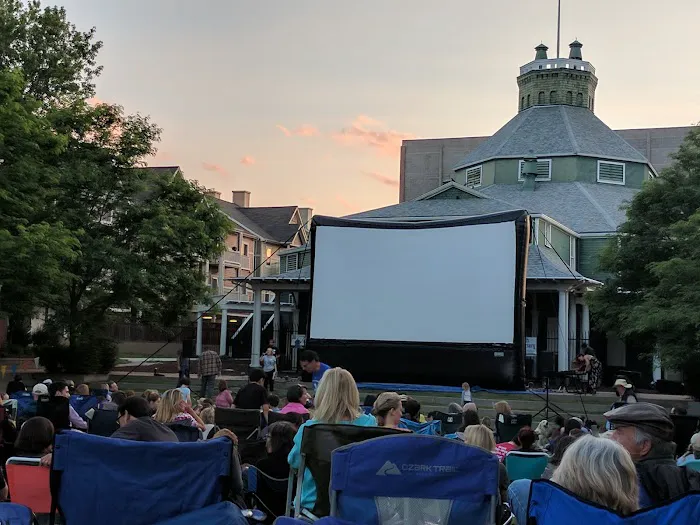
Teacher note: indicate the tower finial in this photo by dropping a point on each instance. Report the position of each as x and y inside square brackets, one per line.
[558, 28]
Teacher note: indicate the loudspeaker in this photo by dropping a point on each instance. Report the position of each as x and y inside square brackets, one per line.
[189, 348]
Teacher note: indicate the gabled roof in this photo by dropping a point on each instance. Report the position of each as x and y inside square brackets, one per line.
[543, 265]
[269, 223]
[449, 186]
[554, 131]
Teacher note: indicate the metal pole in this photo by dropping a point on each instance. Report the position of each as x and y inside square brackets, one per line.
[558, 28]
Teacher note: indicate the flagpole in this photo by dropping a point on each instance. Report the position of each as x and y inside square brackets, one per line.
[558, 28]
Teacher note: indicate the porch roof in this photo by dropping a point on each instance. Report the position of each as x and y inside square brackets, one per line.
[544, 266]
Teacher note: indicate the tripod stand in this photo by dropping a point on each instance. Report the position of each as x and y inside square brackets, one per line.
[547, 405]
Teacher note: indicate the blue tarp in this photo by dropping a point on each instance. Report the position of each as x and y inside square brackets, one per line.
[400, 387]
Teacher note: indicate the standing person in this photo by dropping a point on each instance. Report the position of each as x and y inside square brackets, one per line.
[590, 364]
[269, 362]
[16, 385]
[183, 363]
[311, 364]
[183, 385]
[625, 391]
[209, 368]
[466, 393]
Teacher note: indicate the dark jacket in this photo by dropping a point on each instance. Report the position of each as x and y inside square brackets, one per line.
[663, 480]
[145, 429]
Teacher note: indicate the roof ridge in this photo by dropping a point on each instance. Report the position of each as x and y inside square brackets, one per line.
[597, 205]
[570, 130]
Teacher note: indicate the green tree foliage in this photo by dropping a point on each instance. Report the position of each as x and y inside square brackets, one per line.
[654, 291]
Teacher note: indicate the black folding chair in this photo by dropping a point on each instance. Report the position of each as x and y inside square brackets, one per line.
[56, 409]
[450, 423]
[103, 422]
[317, 446]
[683, 429]
[267, 493]
[274, 417]
[246, 425]
[185, 433]
[506, 431]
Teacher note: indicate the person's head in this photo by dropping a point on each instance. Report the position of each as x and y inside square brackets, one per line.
[295, 394]
[412, 408]
[280, 438]
[580, 359]
[59, 389]
[679, 410]
[577, 433]
[207, 415]
[35, 437]
[591, 467]
[469, 418]
[113, 387]
[486, 421]
[502, 407]
[171, 404]
[480, 436]
[153, 401]
[573, 423]
[470, 406]
[82, 390]
[269, 351]
[337, 397]
[642, 428]
[183, 381]
[465, 386]
[695, 445]
[621, 386]
[454, 408]
[369, 400]
[40, 389]
[526, 438]
[388, 409]
[273, 400]
[118, 398]
[256, 375]
[18, 377]
[222, 385]
[131, 409]
[129, 393]
[70, 383]
[309, 361]
[562, 444]
[204, 402]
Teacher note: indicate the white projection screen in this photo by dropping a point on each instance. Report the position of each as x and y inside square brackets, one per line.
[451, 284]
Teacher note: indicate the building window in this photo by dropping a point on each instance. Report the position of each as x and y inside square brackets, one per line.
[552, 97]
[569, 97]
[528, 101]
[579, 99]
[611, 172]
[268, 255]
[572, 253]
[548, 234]
[474, 177]
[292, 263]
[245, 249]
[540, 98]
[522, 103]
[544, 170]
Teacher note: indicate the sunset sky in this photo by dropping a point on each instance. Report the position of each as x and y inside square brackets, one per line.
[306, 102]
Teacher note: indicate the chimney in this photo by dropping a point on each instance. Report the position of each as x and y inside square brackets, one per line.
[213, 193]
[529, 173]
[241, 198]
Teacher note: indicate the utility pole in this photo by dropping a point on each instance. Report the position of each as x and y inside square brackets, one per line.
[558, 28]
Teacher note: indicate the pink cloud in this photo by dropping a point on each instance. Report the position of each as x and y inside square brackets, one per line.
[216, 168]
[384, 179]
[309, 201]
[305, 130]
[366, 131]
[248, 160]
[346, 204]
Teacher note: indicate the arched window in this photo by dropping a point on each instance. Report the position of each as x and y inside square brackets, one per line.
[528, 101]
[522, 103]
[569, 97]
[552, 97]
[579, 99]
[540, 98]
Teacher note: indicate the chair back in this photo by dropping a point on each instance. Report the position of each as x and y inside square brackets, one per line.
[180, 477]
[317, 445]
[526, 465]
[242, 422]
[414, 479]
[26, 405]
[274, 417]
[16, 514]
[551, 504]
[28, 483]
[82, 404]
[11, 407]
[508, 429]
[431, 428]
[103, 422]
[224, 513]
[269, 493]
[450, 423]
[185, 433]
[692, 464]
[683, 429]
[56, 409]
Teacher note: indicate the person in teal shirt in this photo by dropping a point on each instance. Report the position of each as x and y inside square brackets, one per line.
[337, 401]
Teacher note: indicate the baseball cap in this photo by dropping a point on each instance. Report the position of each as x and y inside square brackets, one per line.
[47, 381]
[40, 389]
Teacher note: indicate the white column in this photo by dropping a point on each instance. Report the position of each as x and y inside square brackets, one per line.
[585, 324]
[222, 271]
[572, 329]
[257, 328]
[224, 327]
[562, 332]
[200, 326]
[276, 322]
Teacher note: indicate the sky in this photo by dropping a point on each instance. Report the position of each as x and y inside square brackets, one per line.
[306, 102]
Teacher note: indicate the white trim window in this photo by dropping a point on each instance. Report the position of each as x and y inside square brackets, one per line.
[547, 234]
[473, 177]
[544, 170]
[572, 253]
[611, 172]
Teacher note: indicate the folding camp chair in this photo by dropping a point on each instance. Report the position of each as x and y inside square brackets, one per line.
[412, 480]
[267, 493]
[431, 428]
[317, 445]
[26, 406]
[692, 464]
[450, 423]
[185, 433]
[525, 465]
[103, 422]
[683, 429]
[246, 425]
[274, 417]
[323, 521]
[55, 409]
[508, 429]
[150, 482]
[28, 483]
[224, 513]
[551, 504]
[82, 404]
[16, 514]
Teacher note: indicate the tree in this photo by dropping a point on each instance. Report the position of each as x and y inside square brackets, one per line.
[653, 291]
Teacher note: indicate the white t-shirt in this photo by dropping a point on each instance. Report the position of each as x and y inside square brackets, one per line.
[269, 362]
[466, 396]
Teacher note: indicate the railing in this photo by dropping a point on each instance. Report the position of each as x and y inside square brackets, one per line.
[237, 258]
[557, 63]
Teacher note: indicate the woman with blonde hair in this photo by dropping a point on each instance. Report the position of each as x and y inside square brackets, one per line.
[482, 437]
[337, 402]
[387, 409]
[173, 408]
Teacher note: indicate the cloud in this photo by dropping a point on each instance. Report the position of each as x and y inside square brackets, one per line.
[309, 201]
[366, 131]
[248, 160]
[304, 130]
[208, 166]
[346, 204]
[384, 179]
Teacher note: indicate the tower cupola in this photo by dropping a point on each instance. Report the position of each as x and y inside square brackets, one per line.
[541, 52]
[575, 50]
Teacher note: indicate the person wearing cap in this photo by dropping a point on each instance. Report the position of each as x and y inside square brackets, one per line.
[40, 389]
[646, 432]
[693, 450]
[625, 391]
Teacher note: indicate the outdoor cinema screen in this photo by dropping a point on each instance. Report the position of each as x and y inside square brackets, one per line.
[411, 287]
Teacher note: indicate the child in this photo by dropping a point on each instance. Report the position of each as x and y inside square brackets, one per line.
[274, 401]
[466, 394]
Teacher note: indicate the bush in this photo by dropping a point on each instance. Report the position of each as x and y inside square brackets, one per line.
[92, 353]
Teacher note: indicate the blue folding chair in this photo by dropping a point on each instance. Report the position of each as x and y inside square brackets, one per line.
[14, 514]
[414, 479]
[81, 404]
[431, 428]
[692, 464]
[323, 521]
[26, 405]
[149, 482]
[551, 504]
[526, 465]
[224, 513]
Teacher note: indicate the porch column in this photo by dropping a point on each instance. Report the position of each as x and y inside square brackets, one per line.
[562, 332]
[222, 271]
[224, 327]
[295, 329]
[257, 328]
[585, 324]
[200, 327]
[276, 319]
[572, 329]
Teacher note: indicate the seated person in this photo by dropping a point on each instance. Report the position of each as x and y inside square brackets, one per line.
[60, 389]
[207, 416]
[412, 411]
[35, 438]
[693, 450]
[274, 401]
[388, 410]
[136, 423]
[297, 396]
[527, 439]
[482, 437]
[254, 394]
[174, 409]
[223, 399]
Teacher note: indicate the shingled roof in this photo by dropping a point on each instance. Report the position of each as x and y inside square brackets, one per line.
[272, 223]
